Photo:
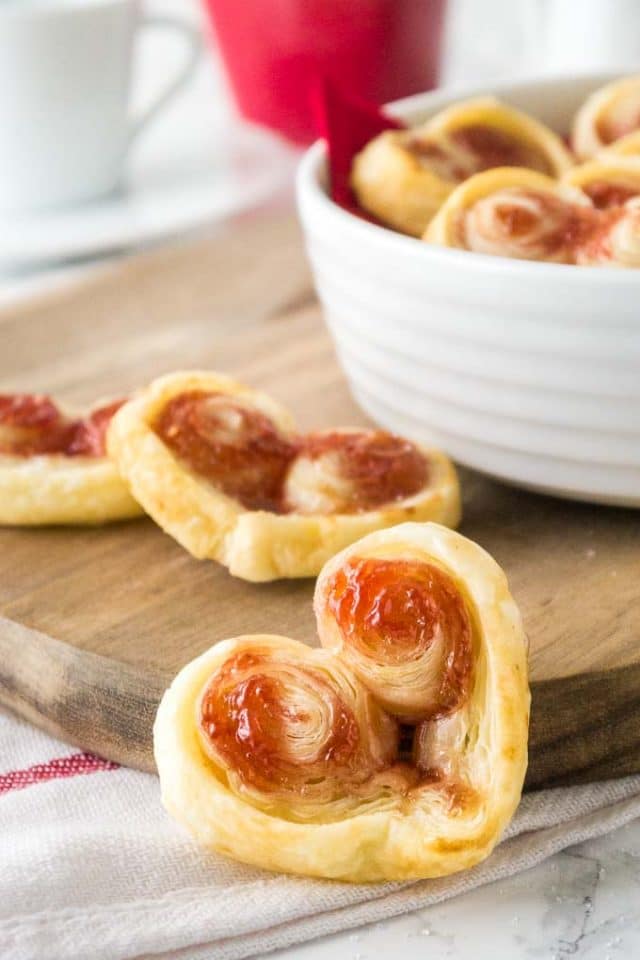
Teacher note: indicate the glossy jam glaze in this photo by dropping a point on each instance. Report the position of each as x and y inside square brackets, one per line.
[380, 467]
[393, 611]
[32, 425]
[289, 731]
[287, 734]
[605, 194]
[234, 446]
[239, 450]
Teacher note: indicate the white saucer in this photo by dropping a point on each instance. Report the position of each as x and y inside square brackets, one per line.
[183, 186]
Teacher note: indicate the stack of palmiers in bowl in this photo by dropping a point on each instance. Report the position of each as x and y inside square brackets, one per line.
[487, 308]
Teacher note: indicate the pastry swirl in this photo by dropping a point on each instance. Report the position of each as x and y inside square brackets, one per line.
[610, 113]
[510, 212]
[53, 464]
[615, 240]
[403, 177]
[609, 181]
[294, 731]
[293, 759]
[222, 469]
[404, 629]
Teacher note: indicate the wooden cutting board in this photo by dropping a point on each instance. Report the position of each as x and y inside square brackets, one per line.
[242, 302]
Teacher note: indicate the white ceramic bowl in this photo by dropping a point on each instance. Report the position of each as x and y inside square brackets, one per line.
[527, 371]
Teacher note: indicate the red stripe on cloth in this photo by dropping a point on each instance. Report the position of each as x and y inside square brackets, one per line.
[73, 766]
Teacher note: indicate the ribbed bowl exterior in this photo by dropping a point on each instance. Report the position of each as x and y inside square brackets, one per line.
[527, 371]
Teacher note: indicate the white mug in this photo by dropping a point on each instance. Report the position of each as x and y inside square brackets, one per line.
[65, 72]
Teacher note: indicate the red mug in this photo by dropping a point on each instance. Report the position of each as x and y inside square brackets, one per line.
[277, 51]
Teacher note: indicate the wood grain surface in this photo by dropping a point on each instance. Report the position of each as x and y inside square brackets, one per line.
[242, 302]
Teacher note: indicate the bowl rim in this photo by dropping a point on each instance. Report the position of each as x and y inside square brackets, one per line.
[313, 197]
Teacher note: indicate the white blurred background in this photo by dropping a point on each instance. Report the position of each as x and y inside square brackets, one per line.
[497, 38]
[199, 162]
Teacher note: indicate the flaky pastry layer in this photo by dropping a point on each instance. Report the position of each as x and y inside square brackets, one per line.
[43, 490]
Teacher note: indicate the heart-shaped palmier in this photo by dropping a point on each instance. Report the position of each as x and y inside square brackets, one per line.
[397, 751]
[222, 469]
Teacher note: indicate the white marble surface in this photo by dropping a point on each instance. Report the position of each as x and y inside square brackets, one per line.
[583, 903]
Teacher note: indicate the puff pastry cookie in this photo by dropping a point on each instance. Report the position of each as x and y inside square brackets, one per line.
[609, 181]
[609, 114]
[615, 238]
[628, 146]
[293, 759]
[53, 465]
[221, 468]
[511, 212]
[612, 183]
[403, 177]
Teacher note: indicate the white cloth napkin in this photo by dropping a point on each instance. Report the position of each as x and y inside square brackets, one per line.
[91, 868]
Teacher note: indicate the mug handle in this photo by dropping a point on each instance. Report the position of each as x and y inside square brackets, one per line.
[193, 48]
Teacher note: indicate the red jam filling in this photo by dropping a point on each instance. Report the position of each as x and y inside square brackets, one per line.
[605, 195]
[595, 244]
[493, 148]
[248, 717]
[241, 452]
[27, 410]
[436, 158]
[381, 467]
[32, 425]
[393, 610]
[89, 435]
[237, 449]
[611, 130]
[555, 225]
[575, 230]
[245, 717]
[483, 147]
[516, 221]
